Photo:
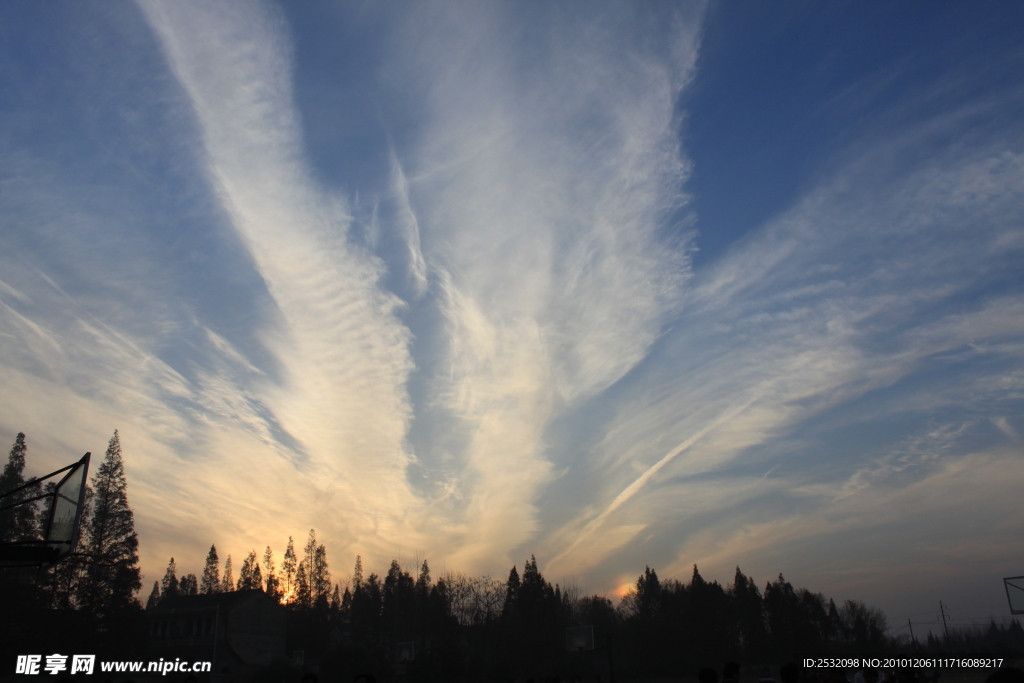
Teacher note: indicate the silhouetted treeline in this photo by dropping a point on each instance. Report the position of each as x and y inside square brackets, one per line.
[424, 627]
[485, 628]
[457, 627]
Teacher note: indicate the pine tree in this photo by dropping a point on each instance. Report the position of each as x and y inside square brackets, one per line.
[288, 568]
[154, 596]
[17, 523]
[320, 579]
[308, 554]
[169, 584]
[309, 579]
[357, 574]
[189, 585]
[439, 605]
[113, 575]
[228, 584]
[423, 580]
[211, 573]
[245, 574]
[270, 578]
[335, 603]
[749, 611]
[303, 592]
[647, 594]
[422, 595]
[366, 604]
[512, 586]
[533, 584]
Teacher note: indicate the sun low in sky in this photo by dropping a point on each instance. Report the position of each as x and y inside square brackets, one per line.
[615, 284]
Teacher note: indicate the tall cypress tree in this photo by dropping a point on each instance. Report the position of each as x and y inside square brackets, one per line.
[169, 584]
[509, 609]
[288, 567]
[303, 592]
[211, 573]
[154, 596]
[245, 575]
[423, 581]
[188, 585]
[309, 554]
[228, 584]
[357, 575]
[257, 576]
[320, 579]
[250, 577]
[272, 583]
[113, 575]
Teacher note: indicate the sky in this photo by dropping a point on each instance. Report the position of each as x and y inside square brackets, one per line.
[615, 284]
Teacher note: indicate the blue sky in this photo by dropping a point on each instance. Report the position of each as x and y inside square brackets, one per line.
[615, 284]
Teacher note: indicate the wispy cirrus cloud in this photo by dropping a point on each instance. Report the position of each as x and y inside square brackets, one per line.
[344, 352]
[529, 210]
[866, 292]
[542, 184]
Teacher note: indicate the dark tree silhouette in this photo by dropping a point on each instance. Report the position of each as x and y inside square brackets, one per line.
[249, 576]
[271, 579]
[320, 578]
[227, 583]
[749, 618]
[288, 569]
[154, 596]
[188, 585]
[510, 608]
[17, 523]
[169, 584]
[112, 577]
[303, 593]
[211, 573]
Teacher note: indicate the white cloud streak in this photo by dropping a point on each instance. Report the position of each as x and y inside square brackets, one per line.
[343, 349]
[844, 296]
[408, 227]
[542, 183]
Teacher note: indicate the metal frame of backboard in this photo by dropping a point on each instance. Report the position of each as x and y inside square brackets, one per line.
[1014, 586]
[63, 519]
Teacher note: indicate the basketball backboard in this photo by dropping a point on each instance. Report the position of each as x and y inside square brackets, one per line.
[1015, 593]
[61, 519]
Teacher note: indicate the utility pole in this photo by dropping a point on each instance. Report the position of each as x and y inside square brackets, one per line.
[912, 638]
[942, 609]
